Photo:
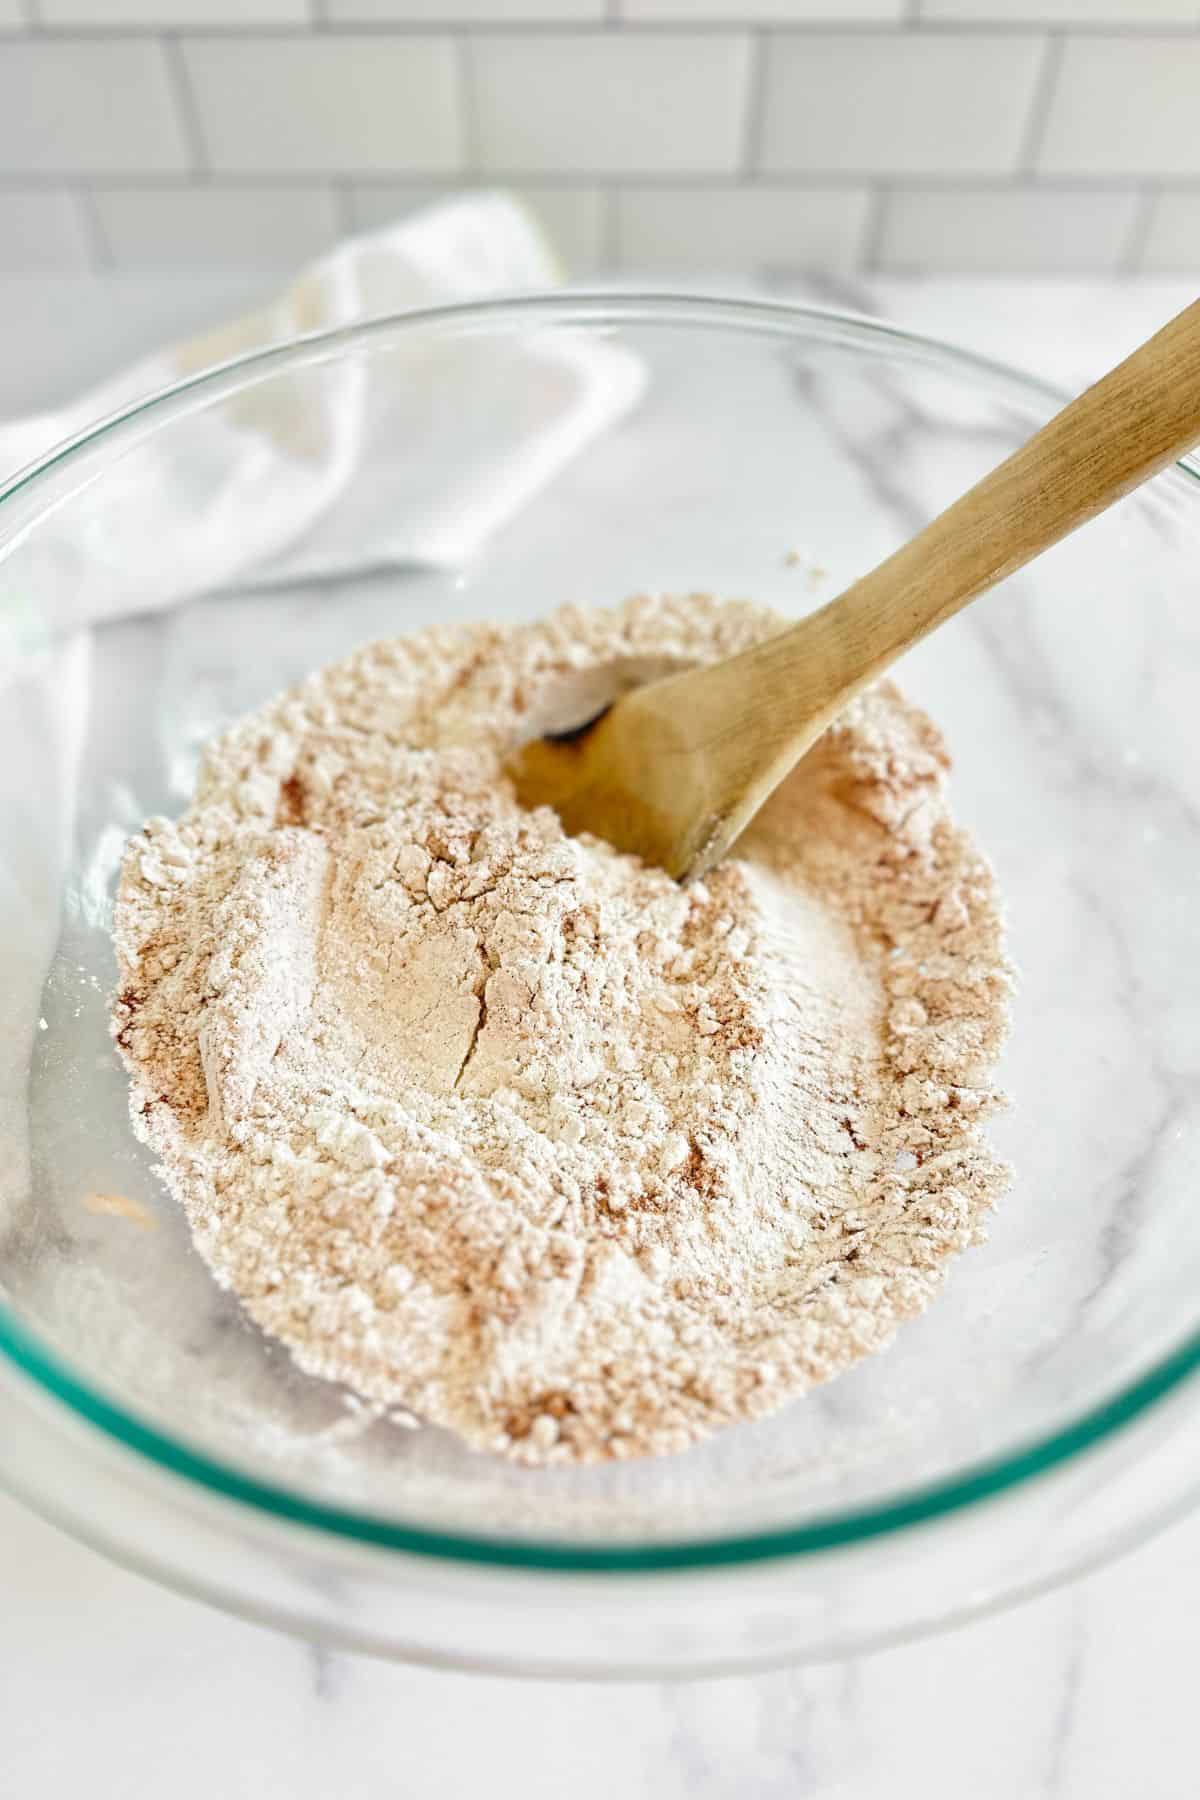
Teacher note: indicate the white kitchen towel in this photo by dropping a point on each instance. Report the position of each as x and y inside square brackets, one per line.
[355, 463]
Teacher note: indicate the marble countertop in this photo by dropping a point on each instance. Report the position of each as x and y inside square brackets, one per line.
[110, 1683]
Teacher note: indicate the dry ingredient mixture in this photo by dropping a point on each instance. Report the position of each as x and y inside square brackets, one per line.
[510, 1130]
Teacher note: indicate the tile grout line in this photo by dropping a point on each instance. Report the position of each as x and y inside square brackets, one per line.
[344, 215]
[871, 245]
[723, 181]
[755, 103]
[724, 25]
[468, 110]
[610, 229]
[185, 102]
[1129, 262]
[1045, 88]
[100, 254]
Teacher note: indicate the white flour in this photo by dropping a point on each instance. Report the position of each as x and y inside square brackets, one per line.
[507, 1129]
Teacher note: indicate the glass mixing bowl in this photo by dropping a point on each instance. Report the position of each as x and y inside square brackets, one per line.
[1042, 1413]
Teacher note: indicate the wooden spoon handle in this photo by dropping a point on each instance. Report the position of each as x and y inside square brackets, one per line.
[1140, 417]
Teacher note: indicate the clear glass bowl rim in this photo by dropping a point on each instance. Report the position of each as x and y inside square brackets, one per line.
[918, 1505]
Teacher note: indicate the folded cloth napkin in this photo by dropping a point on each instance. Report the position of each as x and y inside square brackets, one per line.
[346, 466]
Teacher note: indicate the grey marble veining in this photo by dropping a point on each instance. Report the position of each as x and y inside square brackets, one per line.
[1085, 1694]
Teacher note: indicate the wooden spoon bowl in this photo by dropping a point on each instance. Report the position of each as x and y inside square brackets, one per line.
[675, 770]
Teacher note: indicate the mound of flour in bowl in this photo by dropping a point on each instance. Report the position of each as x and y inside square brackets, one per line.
[513, 1131]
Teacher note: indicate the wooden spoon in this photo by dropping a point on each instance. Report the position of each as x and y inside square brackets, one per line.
[676, 769]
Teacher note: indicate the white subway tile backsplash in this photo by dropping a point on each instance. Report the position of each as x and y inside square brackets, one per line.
[215, 227]
[369, 207]
[1173, 239]
[610, 102]
[43, 229]
[173, 12]
[904, 104]
[1009, 135]
[327, 105]
[714, 228]
[87, 106]
[1060, 12]
[791, 12]
[468, 12]
[1125, 106]
[1005, 230]
[572, 217]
